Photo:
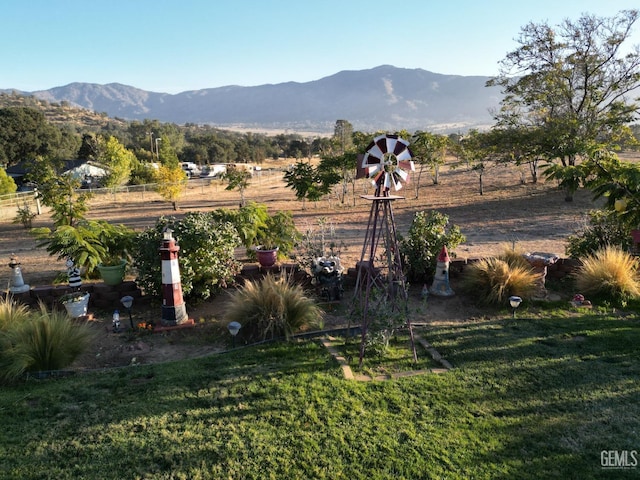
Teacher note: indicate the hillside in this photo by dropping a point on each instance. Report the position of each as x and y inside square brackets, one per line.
[62, 113]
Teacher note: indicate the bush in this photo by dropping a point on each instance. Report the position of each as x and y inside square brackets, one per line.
[494, 280]
[602, 228]
[40, 341]
[272, 308]
[206, 257]
[609, 273]
[427, 235]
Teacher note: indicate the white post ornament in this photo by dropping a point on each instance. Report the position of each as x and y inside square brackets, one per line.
[16, 282]
[174, 311]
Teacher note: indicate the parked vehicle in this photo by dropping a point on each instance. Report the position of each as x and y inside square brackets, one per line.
[215, 170]
[191, 169]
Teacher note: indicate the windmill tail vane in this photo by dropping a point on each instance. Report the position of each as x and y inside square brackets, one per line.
[387, 162]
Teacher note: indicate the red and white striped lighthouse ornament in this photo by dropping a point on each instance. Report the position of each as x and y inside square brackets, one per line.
[174, 311]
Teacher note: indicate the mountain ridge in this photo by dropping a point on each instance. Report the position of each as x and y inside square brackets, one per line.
[380, 98]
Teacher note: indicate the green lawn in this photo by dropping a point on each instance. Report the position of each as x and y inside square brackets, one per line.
[528, 398]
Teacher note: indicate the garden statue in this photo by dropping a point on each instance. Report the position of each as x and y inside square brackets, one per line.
[328, 275]
[539, 261]
[440, 286]
[73, 274]
[16, 283]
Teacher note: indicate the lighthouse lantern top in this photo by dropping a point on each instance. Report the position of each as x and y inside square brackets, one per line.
[167, 234]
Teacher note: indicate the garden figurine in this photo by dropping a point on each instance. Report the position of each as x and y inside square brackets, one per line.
[440, 286]
[73, 274]
[16, 283]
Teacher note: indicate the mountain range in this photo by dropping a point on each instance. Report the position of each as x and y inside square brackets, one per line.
[381, 98]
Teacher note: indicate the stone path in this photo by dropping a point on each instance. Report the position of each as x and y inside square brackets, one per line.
[330, 344]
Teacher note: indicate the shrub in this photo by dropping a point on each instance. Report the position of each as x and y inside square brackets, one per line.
[427, 235]
[602, 228]
[206, 257]
[271, 308]
[494, 280]
[24, 216]
[610, 273]
[40, 341]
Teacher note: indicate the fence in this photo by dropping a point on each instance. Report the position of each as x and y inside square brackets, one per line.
[10, 203]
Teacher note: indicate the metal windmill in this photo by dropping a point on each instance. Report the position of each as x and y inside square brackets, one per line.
[387, 162]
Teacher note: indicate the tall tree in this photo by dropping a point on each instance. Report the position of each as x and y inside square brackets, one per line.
[25, 134]
[343, 135]
[172, 181]
[118, 159]
[238, 179]
[573, 82]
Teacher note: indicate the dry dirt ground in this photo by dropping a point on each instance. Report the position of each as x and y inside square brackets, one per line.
[533, 217]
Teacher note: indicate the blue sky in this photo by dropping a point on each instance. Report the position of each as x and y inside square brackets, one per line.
[178, 45]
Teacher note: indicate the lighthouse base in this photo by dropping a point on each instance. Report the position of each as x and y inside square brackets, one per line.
[174, 315]
[441, 288]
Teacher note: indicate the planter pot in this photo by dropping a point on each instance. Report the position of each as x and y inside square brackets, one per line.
[113, 274]
[267, 258]
[78, 308]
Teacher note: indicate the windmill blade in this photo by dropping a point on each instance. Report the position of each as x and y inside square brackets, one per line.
[399, 146]
[370, 159]
[404, 155]
[381, 143]
[391, 144]
[387, 181]
[397, 184]
[377, 179]
[373, 169]
[404, 176]
[376, 151]
[407, 165]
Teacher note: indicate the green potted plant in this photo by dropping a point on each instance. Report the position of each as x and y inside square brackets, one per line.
[117, 241]
[276, 239]
[91, 243]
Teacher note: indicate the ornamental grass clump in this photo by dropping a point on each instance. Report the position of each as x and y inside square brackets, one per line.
[494, 280]
[38, 341]
[11, 313]
[609, 273]
[272, 308]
